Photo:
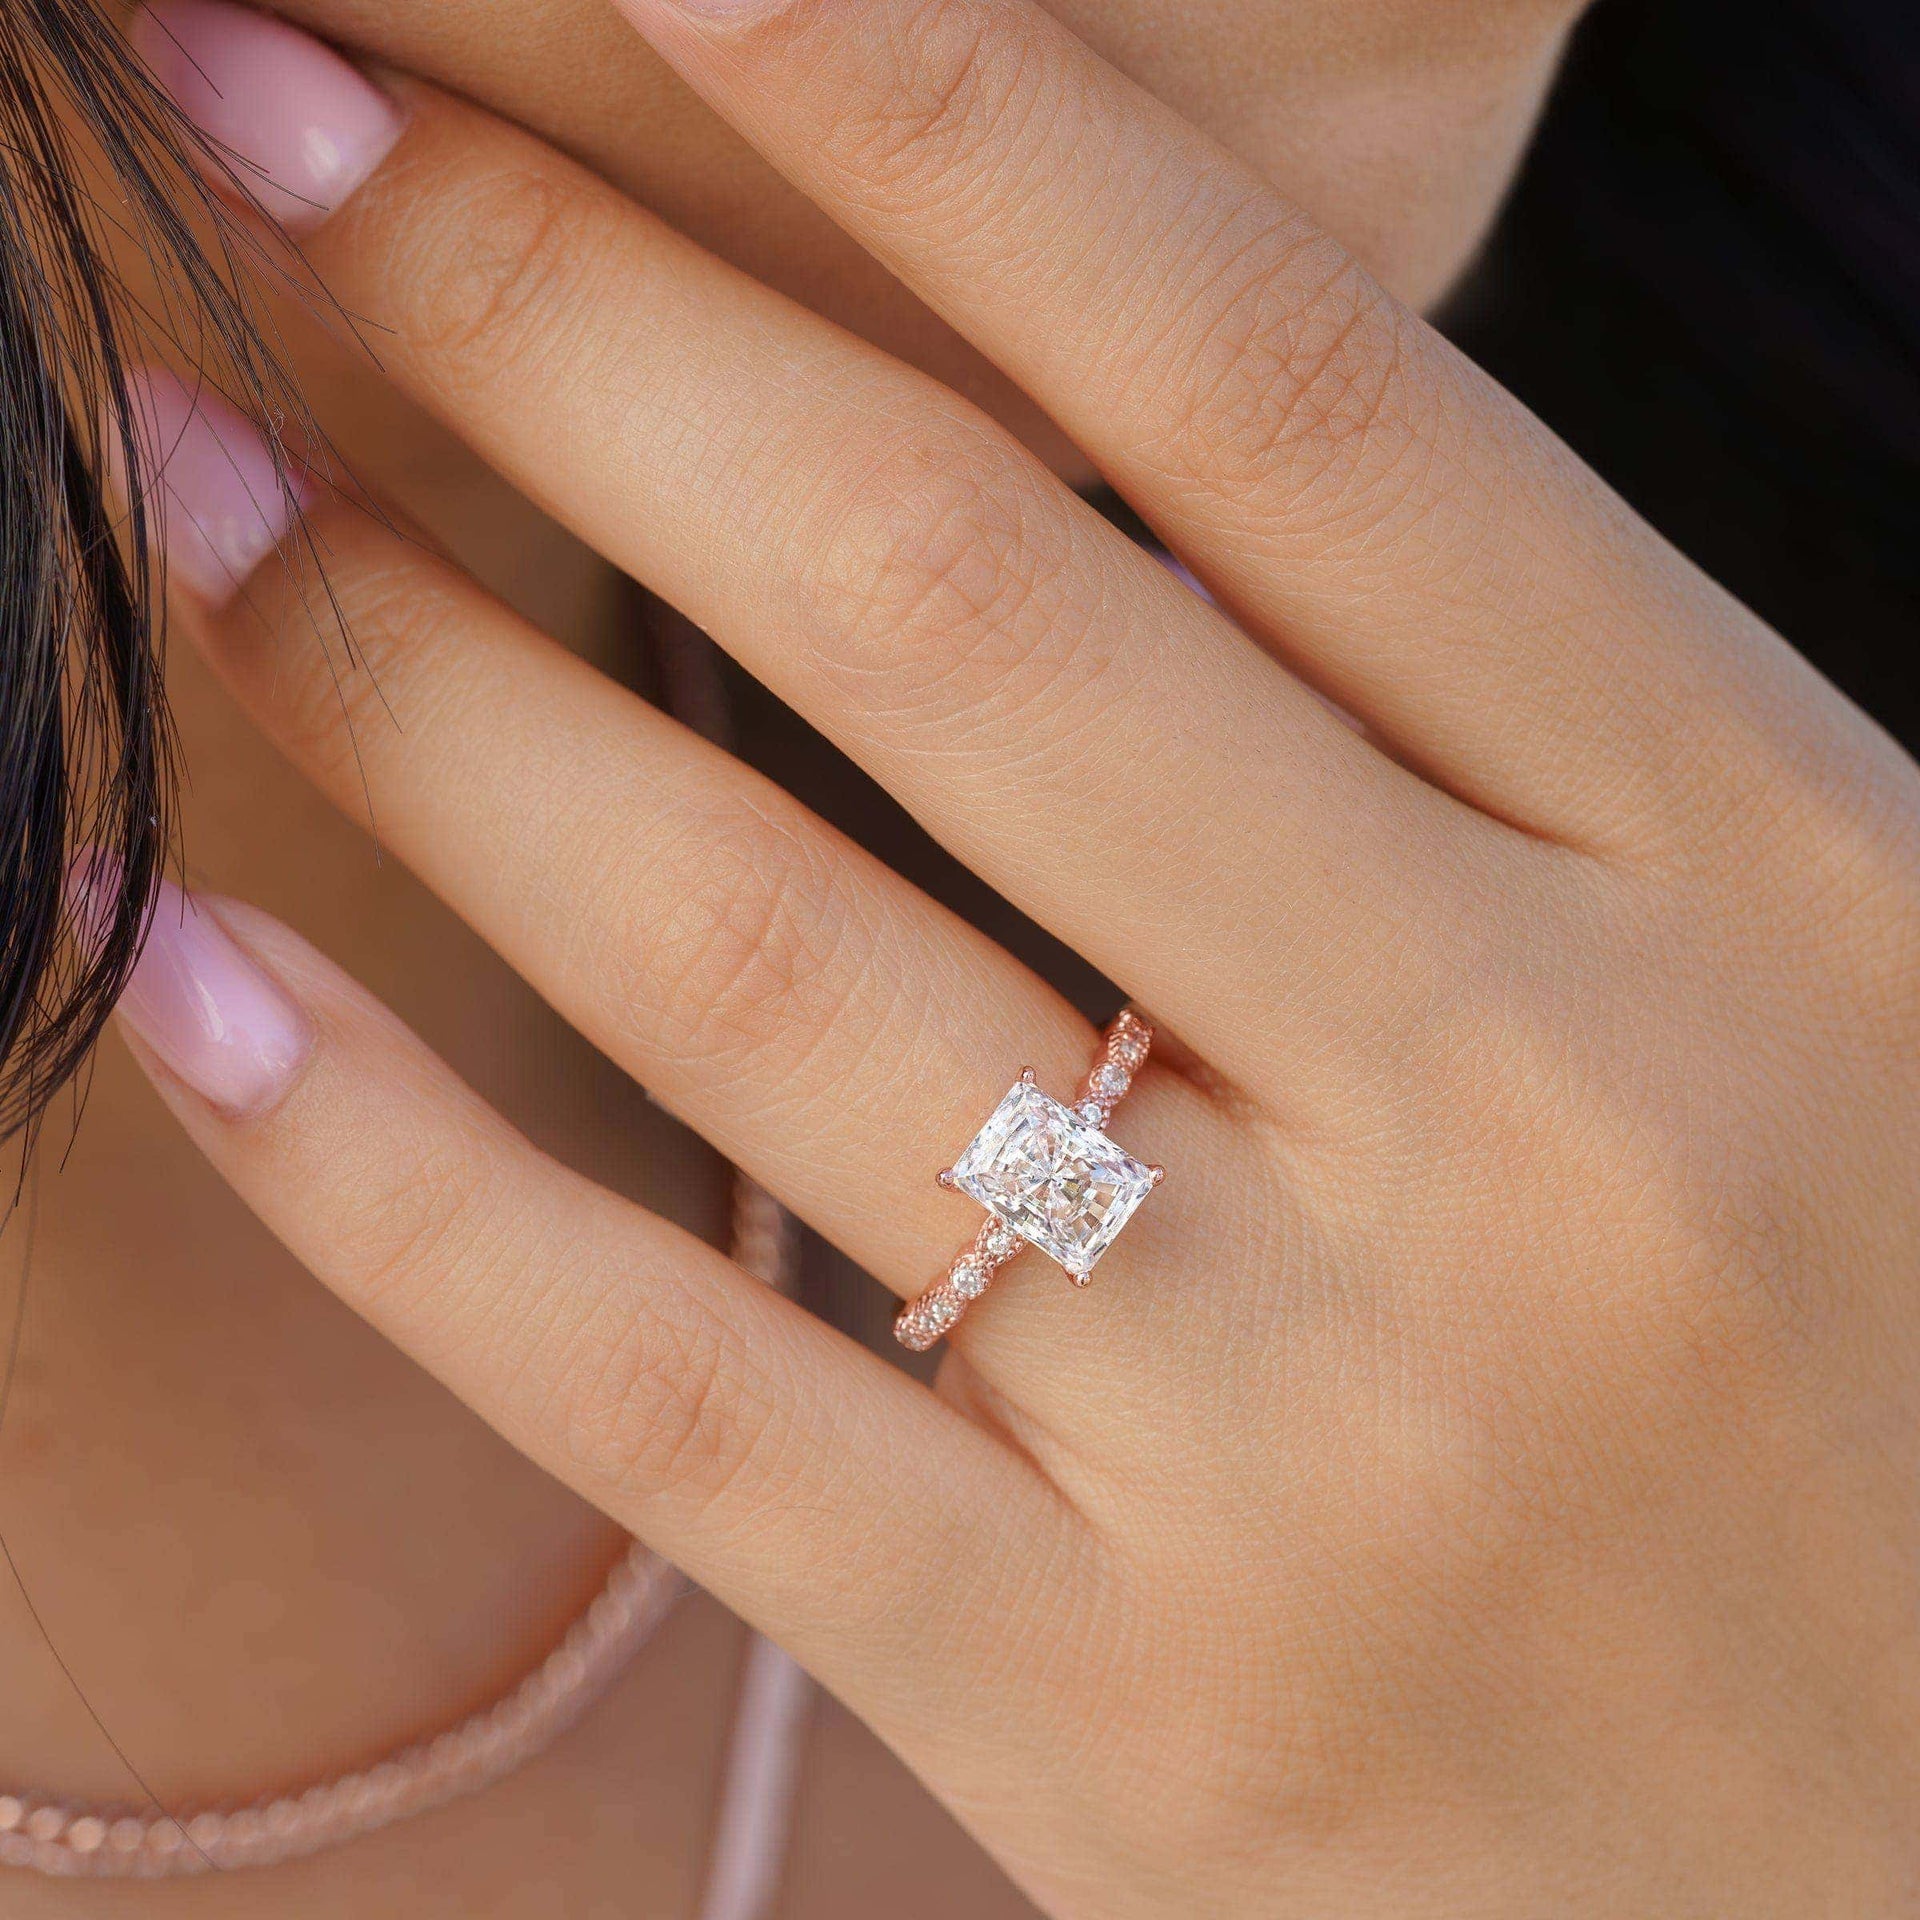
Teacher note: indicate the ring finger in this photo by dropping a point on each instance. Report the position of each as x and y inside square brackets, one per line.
[819, 1019]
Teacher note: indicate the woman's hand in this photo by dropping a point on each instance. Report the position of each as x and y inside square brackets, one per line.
[1395, 123]
[1481, 1480]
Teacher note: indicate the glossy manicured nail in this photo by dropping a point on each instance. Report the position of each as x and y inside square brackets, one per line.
[210, 1013]
[219, 504]
[298, 125]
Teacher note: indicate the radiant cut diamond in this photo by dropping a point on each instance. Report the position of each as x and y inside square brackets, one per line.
[1053, 1178]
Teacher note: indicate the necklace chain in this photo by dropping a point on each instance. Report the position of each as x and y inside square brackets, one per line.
[61, 1838]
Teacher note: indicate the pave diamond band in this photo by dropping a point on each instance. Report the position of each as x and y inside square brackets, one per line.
[1049, 1177]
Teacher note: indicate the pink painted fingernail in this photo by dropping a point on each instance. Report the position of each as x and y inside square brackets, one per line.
[300, 127]
[211, 1014]
[219, 504]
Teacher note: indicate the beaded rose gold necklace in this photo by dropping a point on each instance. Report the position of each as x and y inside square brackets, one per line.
[57, 1837]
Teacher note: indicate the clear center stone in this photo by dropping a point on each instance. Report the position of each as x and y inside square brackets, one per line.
[1055, 1180]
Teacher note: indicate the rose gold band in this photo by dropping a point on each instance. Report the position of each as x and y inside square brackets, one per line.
[937, 1311]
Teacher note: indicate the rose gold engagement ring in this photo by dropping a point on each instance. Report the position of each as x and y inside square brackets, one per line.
[1048, 1177]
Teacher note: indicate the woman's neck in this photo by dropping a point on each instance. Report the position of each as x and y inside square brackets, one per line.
[223, 1498]
[251, 1538]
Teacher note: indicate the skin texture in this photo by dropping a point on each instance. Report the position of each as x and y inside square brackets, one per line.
[1396, 123]
[277, 1537]
[1481, 1481]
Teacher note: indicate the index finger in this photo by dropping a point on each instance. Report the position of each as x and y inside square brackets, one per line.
[1400, 528]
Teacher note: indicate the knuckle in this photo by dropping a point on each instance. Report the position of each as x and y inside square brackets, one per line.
[385, 616]
[1292, 360]
[1652, 1205]
[755, 946]
[1703, 1295]
[1859, 862]
[1725, 1297]
[490, 263]
[940, 90]
[1829, 911]
[416, 1220]
[672, 1402]
[934, 584]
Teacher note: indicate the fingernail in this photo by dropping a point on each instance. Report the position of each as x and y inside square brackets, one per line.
[300, 127]
[219, 503]
[210, 1013]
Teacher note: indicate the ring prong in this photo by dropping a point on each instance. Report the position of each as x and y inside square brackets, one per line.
[945, 1176]
[1159, 1174]
[1027, 1074]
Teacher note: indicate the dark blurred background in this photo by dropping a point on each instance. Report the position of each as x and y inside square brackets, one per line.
[1708, 281]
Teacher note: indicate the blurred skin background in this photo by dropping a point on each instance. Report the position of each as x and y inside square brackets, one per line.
[267, 1544]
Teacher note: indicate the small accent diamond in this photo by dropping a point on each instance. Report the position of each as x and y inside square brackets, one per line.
[1110, 1079]
[999, 1241]
[927, 1318]
[970, 1278]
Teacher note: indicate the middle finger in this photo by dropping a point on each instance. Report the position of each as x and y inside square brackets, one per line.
[815, 1016]
[1098, 744]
